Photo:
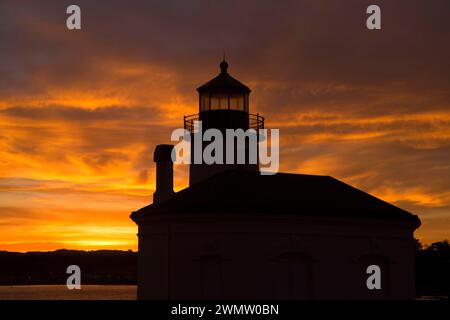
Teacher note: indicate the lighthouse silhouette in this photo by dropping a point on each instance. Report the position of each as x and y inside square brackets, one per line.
[237, 234]
[223, 104]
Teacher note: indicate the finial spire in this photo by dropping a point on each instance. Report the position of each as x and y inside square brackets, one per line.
[224, 64]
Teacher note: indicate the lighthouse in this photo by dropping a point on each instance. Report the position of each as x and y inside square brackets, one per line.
[237, 234]
[223, 104]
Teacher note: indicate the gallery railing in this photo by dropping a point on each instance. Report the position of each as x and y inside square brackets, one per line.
[255, 121]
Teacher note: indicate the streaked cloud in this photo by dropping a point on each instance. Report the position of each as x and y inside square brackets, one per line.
[80, 112]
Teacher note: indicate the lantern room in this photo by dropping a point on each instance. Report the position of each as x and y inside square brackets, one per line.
[224, 104]
[223, 93]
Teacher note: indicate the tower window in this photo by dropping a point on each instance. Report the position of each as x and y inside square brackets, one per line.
[204, 103]
[219, 102]
[224, 101]
[237, 102]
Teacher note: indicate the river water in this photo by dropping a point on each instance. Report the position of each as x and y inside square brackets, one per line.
[60, 292]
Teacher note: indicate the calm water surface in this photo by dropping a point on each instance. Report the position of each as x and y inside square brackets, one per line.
[56, 292]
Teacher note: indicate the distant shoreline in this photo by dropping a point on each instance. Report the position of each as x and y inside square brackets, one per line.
[100, 267]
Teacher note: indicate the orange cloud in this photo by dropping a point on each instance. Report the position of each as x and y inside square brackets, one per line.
[80, 113]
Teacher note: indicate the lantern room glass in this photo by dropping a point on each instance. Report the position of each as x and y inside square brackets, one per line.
[224, 101]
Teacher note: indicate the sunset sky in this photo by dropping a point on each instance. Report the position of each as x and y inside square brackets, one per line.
[81, 111]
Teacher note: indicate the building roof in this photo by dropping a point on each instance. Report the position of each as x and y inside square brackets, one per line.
[224, 82]
[242, 191]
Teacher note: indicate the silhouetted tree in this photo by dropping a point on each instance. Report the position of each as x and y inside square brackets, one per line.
[432, 269]
[442, 246]
[418, 244]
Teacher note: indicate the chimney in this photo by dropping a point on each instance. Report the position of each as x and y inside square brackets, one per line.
[164, 173]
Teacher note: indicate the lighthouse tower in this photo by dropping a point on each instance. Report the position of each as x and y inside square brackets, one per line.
[224, 104]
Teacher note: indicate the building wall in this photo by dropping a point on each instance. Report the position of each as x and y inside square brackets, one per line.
[272, 257]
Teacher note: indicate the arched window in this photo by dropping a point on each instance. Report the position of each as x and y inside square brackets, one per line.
[294, 276]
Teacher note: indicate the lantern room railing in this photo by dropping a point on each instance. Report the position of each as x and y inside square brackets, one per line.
[255, 121]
